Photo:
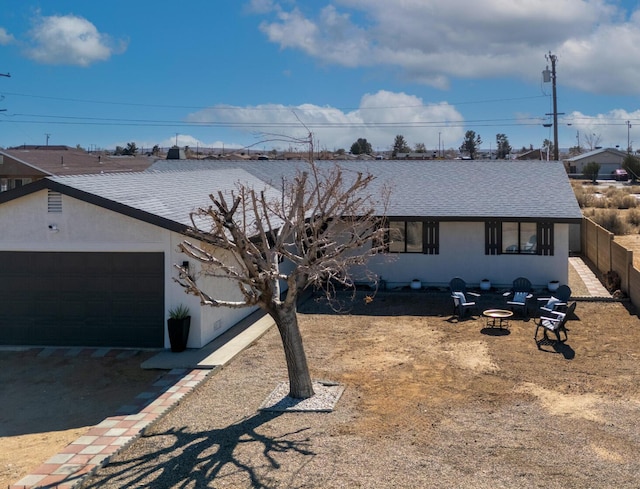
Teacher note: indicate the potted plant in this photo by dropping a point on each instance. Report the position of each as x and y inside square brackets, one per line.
[178, 325]
[485, 284]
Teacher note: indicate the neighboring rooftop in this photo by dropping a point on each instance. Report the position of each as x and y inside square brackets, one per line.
[590, 154]
[63, 160]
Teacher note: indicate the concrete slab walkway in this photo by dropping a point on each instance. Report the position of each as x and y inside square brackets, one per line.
[591, 281]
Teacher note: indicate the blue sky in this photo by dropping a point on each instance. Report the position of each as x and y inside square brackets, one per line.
[243, 73]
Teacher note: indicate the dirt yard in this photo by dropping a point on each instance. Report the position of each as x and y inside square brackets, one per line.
[429, 402]
[48, 402]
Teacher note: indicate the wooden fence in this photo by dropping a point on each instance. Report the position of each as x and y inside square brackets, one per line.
[599, 247]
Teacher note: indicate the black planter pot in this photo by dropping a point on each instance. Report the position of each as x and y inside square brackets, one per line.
[179, 333]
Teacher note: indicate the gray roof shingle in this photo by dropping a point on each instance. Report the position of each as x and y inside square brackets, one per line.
[169, 195]
[441, 189]
[464, 190]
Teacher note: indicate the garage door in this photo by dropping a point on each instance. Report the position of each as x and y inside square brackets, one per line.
[82, 299]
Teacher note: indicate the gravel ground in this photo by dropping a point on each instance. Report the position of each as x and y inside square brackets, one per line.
[428, 402]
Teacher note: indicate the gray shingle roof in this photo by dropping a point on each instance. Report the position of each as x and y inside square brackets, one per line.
[169, 195]
[590, 154]
[441, 189]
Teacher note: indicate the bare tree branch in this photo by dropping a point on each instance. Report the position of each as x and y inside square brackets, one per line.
[310, 234]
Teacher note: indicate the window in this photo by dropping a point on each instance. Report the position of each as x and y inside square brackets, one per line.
[413, 237]
[528, 238]
[519, 237]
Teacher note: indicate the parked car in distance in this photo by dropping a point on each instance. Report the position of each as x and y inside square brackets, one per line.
[620, 175]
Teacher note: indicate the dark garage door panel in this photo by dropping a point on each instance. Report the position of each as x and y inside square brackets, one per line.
[82, 299]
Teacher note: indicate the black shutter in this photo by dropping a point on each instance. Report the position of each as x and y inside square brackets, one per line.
[492, 238]
[545, 238]
[431, 238]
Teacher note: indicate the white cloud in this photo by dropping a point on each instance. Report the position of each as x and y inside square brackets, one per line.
[5, 37]
[432, 42]
[608, 129]
[260, 6]
[379, 118]
[69, 40]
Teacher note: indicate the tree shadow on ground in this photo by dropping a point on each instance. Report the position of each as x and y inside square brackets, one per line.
[195, 459]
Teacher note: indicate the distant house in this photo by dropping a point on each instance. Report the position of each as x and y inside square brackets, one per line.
[26, 164]
[88, 259]
[609, 159]
[534, 154]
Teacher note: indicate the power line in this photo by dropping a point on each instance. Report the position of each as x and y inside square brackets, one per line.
[269, 109]
[71, 120]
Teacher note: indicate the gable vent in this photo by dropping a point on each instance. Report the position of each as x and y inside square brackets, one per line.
[54, 202]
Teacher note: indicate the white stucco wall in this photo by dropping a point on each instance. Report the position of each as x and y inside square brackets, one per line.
[213, 320]
[84, 227]
[462, 254]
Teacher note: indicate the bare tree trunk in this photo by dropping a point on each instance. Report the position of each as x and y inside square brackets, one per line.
[300, 385]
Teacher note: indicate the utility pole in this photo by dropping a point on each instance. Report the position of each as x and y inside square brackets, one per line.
[628, 137]
[551, 76]
[7, 75]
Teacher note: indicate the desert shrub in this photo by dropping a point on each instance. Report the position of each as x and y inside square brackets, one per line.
[621, 200]
[612, 192]
[600, 201]
[591, 170]
[585, 197]
[611, 221]
[633, 217]
[628, 202]
[612, 281]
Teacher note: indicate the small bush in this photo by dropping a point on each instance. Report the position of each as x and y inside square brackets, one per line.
[584, 197]
[611, 221]
[633, 217]
[612, 192]
[612, 281]
[628, 202]
[600, 201]
[621, 200]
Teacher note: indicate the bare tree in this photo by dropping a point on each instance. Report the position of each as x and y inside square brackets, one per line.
[321, 224]
[592, 140]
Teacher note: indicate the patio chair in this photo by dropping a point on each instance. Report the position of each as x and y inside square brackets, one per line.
[557, 302]
[461, 305]
[458, 284]
[531, 245]
[521, 293]
[556, 324]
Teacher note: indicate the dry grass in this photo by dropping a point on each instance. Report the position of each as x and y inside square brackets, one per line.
[429, 402]
[614, 208]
